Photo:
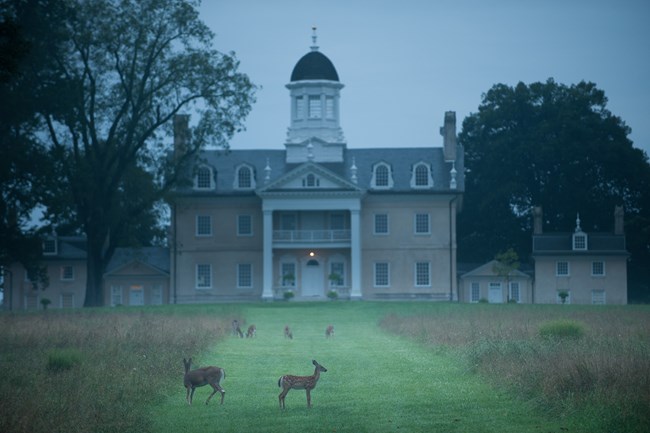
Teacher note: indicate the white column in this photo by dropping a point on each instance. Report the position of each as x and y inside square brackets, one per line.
[355, 227]
[267, 253]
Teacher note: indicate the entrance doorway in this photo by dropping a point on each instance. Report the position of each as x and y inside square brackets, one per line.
[312, 278]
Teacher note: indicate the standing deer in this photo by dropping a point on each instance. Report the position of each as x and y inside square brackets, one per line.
[203, 376]
[329, 331]
[236, 330]
[251, 331]
[307, 383]
[287, 332]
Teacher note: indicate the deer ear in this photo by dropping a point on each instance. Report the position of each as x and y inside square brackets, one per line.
[313, 361]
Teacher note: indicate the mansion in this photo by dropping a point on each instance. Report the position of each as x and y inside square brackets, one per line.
[315, 219]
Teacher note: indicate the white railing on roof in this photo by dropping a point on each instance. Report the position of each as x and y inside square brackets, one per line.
[311, 236]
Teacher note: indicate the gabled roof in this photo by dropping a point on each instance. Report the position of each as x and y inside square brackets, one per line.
[287, 182]
[156, 258]
[487, 270]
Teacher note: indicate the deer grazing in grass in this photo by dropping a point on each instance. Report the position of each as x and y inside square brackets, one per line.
[203, 376]
[307, 383]
[250, 333]
[329, 331]
[236, 330]
[287, 332]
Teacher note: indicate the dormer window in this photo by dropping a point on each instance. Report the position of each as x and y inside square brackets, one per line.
[310, 181]
[421, 176]
[580, 241]
[244, 178]
[204, 178]
[49, 247]
[382, 178]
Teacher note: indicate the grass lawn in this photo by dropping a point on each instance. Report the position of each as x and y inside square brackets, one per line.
[376, 382]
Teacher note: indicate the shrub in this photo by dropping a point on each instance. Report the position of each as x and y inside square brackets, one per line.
[561, 329]
[333, 294]
[288, 294]
[62, 359]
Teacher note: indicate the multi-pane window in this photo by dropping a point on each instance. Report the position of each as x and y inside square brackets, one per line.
[67, 273]
[421, 175]
[381, 224]
[422, 223]
[203, 276]
[598, 297]
[337, 274]
[288, 271]
[514, 291]
[310, 181]
[579, 241]
[244, 275]
[562, 269]
[203, 225]
[329, 107]
[597, 269]
[315, 109]
[244, 178]
[422, 274]
[204, 178]
[382, 274]
[474, 292]
[244, 225]
[300, 107]
[49, 246]
[382, 176]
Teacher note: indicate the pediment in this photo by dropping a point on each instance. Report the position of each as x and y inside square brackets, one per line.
[310, 177]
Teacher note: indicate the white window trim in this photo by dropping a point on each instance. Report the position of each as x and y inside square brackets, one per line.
[604, 293]
[568, 268]
[56, 248]
[604, 269]
[196, 226]
[212, 180]
[236, 179]
[196, 277]
[415, 224]
[239, 265]
[373, 181]
[374, 225]
[374, 275]
[472, 285]
[117, 291]
[63, 268]
[337, 259]
[283, 283]
[415, 274]
[577, 235]
[239, 232]
[510, 285]
[429, 176]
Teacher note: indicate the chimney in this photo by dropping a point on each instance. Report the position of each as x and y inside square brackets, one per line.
[537, 220]
[181, 134]
[618, 220]
[448, 132]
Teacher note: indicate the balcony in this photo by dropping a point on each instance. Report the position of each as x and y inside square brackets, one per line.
[311, 236]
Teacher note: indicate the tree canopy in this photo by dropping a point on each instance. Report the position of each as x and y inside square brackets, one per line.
[124, 69]
[555, 146]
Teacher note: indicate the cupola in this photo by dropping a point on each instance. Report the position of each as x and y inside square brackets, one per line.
[314, 131]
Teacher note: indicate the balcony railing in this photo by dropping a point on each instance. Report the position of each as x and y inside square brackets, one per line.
[298, 236]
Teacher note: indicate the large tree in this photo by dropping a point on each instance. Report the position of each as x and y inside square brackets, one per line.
[128, 67]
[555, 146]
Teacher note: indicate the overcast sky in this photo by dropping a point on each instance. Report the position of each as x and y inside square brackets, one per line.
[405, 62]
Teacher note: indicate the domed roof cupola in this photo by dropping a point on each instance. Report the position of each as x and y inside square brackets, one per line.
[315, 129]
[314, 65]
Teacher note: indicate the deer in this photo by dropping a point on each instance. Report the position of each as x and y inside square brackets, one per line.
[236, 330]
[288, 382]
[203, 376]
[287, 332]
[329, 331]
[250, 333]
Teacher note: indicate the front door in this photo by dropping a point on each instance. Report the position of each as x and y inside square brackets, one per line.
[312, 278]
[136, 296]
[495, 294]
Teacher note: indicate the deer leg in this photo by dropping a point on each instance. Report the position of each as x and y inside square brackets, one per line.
[191, 395]
[187, 397]
[308, 397]
[214, 388]
[281, 397]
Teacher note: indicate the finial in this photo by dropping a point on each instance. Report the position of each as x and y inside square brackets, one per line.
[578, 229]
[267, 171]
[310, 151]
[314, 37]
[353, 170]
[453, 172]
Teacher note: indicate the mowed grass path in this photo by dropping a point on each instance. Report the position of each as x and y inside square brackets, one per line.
[376, 382]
